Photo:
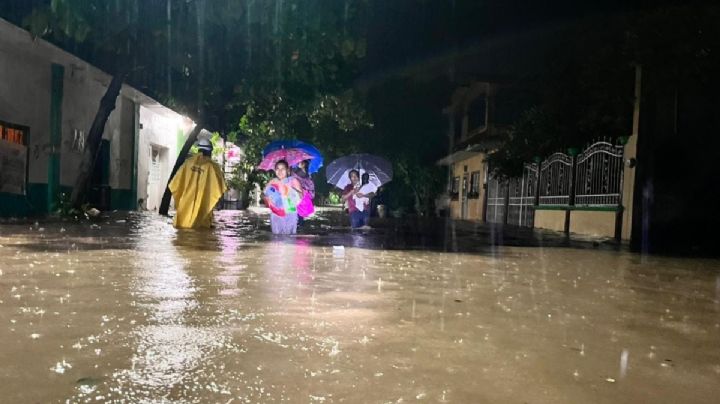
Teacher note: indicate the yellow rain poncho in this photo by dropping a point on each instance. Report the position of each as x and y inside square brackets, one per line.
[197, 187]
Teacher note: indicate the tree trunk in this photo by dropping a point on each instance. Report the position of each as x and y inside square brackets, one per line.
[192, 137]
[93, 139]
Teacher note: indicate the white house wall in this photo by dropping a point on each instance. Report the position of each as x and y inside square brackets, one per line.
[159, 129]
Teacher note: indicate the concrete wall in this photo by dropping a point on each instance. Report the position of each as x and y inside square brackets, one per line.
[475, 205]
[593, 223]
[81, 97]
[585, 222]
[550, 219]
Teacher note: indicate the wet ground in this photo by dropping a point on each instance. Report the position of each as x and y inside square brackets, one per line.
[130, 310]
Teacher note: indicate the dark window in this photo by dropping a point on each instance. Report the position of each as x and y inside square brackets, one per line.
[475, 184]
[455, 185]
[458, 123]
[455, 188]
[476, 113]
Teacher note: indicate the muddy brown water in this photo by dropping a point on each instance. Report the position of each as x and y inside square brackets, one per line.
[132, 310]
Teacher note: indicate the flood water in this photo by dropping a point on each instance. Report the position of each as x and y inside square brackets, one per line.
[131, 310]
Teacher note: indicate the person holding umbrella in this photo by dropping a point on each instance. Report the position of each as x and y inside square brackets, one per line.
[301, 170]
[282, 195]
[344, 173]
[354, 193]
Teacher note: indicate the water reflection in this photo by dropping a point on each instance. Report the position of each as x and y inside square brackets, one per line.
[229, 262]
[169, 346]
[302, 260]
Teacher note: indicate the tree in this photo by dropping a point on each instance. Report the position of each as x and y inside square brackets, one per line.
[585, 87]
[315, 50]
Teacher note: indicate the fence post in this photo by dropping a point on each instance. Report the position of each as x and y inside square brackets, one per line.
[506, 213]
[486, 189]
[538, 161]
[572, 152]
[536, 202]
[521, 214]
[620, 208]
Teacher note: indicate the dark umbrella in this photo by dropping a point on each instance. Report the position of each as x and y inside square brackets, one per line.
[379, 169]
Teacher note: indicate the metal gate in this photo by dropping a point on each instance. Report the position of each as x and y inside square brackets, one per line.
[511, 201]
[496, 195]
[599, 175]
[592, 180]
[522, 197]
[555, 180]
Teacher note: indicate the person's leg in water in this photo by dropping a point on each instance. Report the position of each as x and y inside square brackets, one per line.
[365, 219]
[356, 219]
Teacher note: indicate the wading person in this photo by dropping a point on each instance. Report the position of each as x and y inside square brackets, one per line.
[282, 195]
[357, 218]
[197, 187]
[362, 200]
[306, 182]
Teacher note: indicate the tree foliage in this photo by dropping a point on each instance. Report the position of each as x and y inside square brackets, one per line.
[584, 91]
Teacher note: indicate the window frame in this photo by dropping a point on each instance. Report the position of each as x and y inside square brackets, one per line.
[455, 188]
[474, 192]
[6, 127]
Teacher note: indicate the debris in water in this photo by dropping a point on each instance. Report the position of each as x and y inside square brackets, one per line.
[60, 367]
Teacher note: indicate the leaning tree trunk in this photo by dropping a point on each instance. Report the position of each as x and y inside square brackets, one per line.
[93, 139]
[192, 137]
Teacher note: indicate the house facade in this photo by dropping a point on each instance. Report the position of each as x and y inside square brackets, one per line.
[586, 191]
[48, 100]
[476, 127]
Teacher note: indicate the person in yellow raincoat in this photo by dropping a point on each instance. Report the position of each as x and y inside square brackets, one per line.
[197, 187]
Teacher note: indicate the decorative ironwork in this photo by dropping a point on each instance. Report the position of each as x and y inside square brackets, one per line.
[516, 195]
[593, 179]
[598, 176]
[555, 180]
[497, 191]
[522, 197]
